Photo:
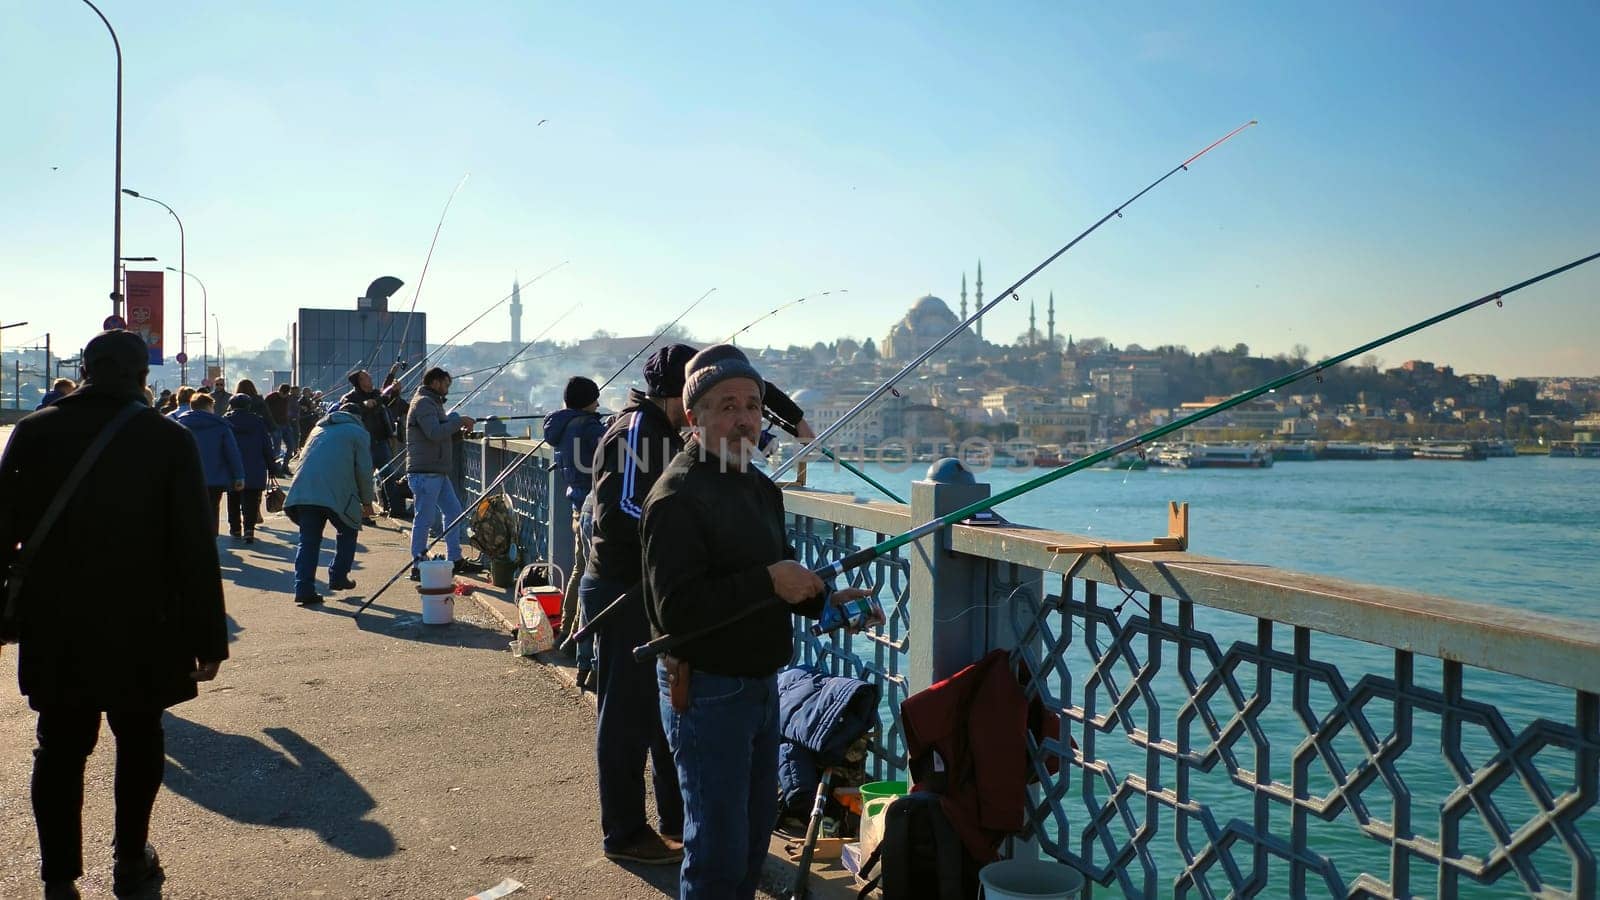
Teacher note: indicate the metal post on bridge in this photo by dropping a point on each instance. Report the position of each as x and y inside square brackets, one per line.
[944, 635]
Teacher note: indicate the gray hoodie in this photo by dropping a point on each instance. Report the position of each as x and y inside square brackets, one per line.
[429, 433]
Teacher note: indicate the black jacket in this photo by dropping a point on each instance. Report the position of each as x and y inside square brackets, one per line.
[709, 534]
[379, 418]
[125, 593]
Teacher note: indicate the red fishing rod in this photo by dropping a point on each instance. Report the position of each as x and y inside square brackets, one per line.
[667, 642]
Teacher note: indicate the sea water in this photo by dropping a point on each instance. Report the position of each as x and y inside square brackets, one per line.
[1519, 533]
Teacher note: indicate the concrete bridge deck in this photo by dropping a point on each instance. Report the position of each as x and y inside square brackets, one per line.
[337, 757]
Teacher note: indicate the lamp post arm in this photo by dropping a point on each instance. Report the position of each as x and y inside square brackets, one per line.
[116, 210]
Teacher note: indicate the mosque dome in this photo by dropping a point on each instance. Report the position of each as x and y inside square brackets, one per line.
[928, 320]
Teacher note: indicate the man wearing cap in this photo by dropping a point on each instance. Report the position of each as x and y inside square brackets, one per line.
[714, 543]
[377, 414]
[142, 507]
[575, 431]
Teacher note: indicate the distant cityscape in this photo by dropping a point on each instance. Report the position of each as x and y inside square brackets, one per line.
[1040, 387]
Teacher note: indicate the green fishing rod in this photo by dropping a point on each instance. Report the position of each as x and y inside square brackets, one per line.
[1011, 291]
[842, 463]
[516, 464]
[667, 642]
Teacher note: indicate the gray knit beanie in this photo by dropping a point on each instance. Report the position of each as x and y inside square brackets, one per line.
[714, 365]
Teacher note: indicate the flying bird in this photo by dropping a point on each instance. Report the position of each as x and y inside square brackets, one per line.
[541, 122]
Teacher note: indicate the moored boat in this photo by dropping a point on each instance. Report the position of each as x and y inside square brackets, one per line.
[1295, 451]
[1345, 450]
[1230, 456]
[1447, 451]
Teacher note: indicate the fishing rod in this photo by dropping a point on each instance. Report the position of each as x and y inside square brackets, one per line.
[774, 311]
[517, 463]
[593, 624]
[411, 313]
[1009, 292]
[382, 473]
[438, 350]
[667, 642]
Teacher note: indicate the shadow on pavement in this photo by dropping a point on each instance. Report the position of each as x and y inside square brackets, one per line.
[251, 782]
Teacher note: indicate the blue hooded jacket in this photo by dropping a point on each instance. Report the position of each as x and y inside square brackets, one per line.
[819, 717]
[219, 451]
[255, 444]
[575, 433]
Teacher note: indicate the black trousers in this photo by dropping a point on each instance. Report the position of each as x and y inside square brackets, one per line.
[245, 505]
[67, 736]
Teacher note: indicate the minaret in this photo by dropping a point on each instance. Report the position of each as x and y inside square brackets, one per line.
[963, 296]
[516, 313]
[1052, 321]
[980, 298]
[1033, 324]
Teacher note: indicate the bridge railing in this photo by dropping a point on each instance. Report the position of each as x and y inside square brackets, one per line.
[1228, 728]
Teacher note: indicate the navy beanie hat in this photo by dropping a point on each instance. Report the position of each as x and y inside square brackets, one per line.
[580, 392]
[663, 371]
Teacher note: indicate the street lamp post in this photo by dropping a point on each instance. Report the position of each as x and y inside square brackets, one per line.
[221, 363]
[116, 209]
[183, 347]
[205, 314]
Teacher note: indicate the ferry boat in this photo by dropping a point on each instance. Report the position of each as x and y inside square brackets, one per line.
[1500, 449]
[1172, 456]
[1230, 456]
[1345, 450]
[1391, 451]
[1447, 451]
[1298, 451]
[1049, 456]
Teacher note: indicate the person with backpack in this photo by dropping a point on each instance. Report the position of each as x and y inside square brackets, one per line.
[140, 506]
[219, 450]
[714, 543]
[255, 452]
[575, 431]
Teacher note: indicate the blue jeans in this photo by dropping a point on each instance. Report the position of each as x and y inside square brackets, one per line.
[629, 726]
[434, 496]
[726, 749]
[311, 520]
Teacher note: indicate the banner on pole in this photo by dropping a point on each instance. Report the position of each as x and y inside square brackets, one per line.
[144, 310]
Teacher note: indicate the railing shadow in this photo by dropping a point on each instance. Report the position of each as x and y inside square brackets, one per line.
[253, 783]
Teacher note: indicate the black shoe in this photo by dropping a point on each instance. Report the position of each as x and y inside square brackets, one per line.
[341, 584]
[61, 890]
[308, 599]
[468, 567]
[249, 537]
[416, 574]
[585, 680]
[370, 523]
[233, 534]
[134, 877]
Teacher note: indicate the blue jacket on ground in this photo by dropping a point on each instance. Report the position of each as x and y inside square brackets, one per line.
[575, 433]
[335, 470]
[219, 451]
[255, 443]
[819, 717]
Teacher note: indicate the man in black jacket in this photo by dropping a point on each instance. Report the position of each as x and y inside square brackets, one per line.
[143, 509]
[377, 413]
[714, 543]
[637, 446]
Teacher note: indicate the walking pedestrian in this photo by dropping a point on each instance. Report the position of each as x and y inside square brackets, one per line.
[714, 544]
[332, 487]
[184, 395]
[431, 434]
[142, 508]
[219, 451]
[285, 417]
[377, 416]
[255, 452]
[220, 394]
[575, 431]
[309, 414]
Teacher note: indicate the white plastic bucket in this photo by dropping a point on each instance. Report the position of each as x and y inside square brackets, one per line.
[436, 574]
[1029, 879]
[440, 608]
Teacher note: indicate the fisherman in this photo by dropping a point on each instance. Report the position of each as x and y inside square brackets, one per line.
[635, 449]
[575, 431]
[713, 544]
[141, 508]
[377, 415]
[430, 436]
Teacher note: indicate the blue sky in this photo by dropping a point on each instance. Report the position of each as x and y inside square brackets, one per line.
[1410, 156]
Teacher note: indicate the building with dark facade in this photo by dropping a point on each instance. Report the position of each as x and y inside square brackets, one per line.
[334, 342]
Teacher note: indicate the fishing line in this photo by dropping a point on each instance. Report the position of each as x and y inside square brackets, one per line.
[861, 557]
[778, 309]
[438, 351]
[417, 293]
[518, 462]
[1011, 291]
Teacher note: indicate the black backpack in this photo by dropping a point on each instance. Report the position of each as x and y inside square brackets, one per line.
[921, 857]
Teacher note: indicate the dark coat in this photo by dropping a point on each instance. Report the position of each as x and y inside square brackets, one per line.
[125, 593]
[819, 717]
[575, 433]
[255, 443]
